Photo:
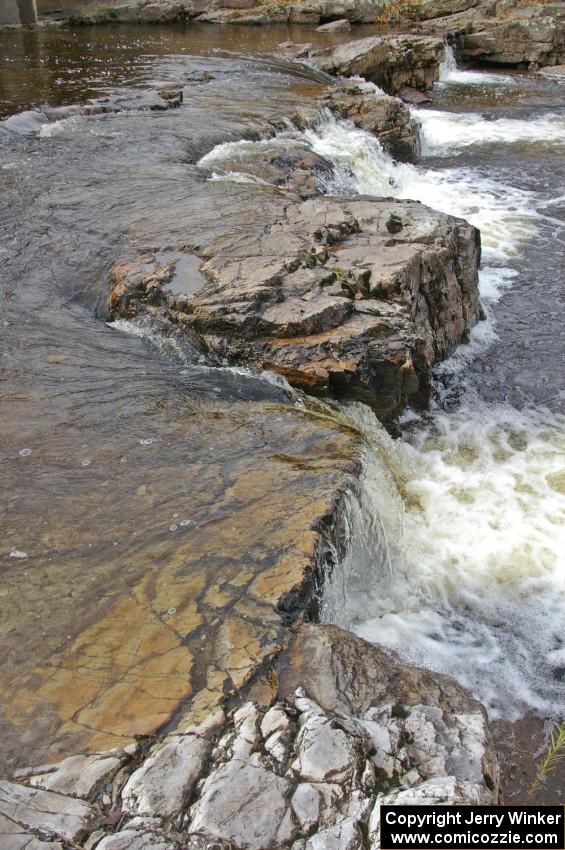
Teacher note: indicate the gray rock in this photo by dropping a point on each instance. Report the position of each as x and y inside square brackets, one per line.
[324, 753]
[557, 72]
[341, 25]
[243, 803]
[166, 779]
[15, 837]
[79, 776]
[385, 117]
[275, 720]
[306, 805]
[345, 835]
[130, 839]
[392, 62]
[52, 814]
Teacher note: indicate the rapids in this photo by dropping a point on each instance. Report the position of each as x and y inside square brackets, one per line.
[463, 572]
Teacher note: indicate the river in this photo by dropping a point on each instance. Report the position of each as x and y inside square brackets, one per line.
[456, 543]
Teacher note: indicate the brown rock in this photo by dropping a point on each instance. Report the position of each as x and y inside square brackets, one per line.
[353, 298]
[385, 117]
[392, 62]
[414, 97]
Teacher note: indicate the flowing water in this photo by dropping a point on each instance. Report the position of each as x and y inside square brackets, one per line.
[472, 578]
[456, 547]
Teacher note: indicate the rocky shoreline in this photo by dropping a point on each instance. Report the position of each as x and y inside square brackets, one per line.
[265, 730]
[259, 729]
[489, 32]
[303, 759]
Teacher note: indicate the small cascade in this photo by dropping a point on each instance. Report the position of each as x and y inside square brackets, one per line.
[450, 73]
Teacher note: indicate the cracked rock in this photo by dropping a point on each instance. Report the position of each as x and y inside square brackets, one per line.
[242, 803]
[79, 776]
[165, 781]
[15, 837]
[53, 814]
[324, 753]
[130, 839]
[345, 835]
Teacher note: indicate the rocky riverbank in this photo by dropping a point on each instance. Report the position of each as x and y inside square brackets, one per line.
[303, 759]
[194, 703]
[507, 32]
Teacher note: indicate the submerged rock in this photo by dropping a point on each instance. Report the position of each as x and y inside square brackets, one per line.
[354, 298]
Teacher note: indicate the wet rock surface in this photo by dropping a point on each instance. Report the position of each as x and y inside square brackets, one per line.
[385, 117]
[506, 33]
[238, 514]
[391, 62]
[355, 298]
[298, 768]
[525, 36]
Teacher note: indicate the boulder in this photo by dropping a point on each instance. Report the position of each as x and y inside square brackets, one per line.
[392, 62]
[354, 298]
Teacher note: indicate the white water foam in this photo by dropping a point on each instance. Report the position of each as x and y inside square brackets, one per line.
[505, 214]
[475, 583]
[450, 73]
[465, 574]
[446, 133]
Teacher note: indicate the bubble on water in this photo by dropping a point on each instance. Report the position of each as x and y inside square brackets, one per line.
[173, 527]
[85, 462]
[24, 452]
[171, 611]
[147, 441]
[18, 553]
[186, 521]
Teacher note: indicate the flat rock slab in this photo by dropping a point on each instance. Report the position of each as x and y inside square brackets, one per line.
[557, 72]
[342, 25]
[50, 813]
[166, 779]
[356, 298]
[15, 837]
[80, 775]
[243, 803]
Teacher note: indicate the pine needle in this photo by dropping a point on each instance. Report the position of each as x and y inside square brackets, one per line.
[554, 754]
